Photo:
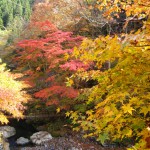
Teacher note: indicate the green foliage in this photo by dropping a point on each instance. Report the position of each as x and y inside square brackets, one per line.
[9, 9]
[57, 127]
[15, 28]
[14, 14]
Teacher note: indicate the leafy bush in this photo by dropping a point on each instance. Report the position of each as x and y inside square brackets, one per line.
[41, 58]
[12, 97]
[120, 99]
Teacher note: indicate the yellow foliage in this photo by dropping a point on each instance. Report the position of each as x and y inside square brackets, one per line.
[121, 97]
[135, 7]
[11, 95]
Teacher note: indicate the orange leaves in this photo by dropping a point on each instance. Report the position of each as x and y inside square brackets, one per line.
[38, 68]
[61, 91]
[29, 57]
[45, 26]
[109, 7]
[52, 102]
[74, 65]
[70, 93]
[112, 73]
[12, 97]
[44, 93]
[52, 78]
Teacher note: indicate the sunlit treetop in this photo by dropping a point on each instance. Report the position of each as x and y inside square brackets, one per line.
[132, 7]
[11, 95]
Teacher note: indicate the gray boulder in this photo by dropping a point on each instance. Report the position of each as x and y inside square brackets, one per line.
[22, 141]
[40, 137]
[4, 145]
[7, 131]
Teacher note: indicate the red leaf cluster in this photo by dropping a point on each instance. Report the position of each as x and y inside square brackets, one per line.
[74, 65]
[44, 55]
[60, 91]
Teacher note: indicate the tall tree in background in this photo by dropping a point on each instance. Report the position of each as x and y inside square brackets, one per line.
[9, 9]
[26, 9]
[18, 9]
[14, 15]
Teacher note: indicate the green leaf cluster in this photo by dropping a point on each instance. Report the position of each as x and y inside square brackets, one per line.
[10, 9]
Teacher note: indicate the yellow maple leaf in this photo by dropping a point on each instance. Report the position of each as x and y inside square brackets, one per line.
[67, 114]
[127, 108]
[58, 110]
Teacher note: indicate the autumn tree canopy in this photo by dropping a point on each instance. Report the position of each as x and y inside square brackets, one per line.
[117, 106]
[12, 97]
[103, 81]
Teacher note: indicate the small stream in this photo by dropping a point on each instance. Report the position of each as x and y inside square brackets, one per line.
[23, 129]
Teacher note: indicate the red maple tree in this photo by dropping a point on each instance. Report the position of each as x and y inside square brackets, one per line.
[43, 61]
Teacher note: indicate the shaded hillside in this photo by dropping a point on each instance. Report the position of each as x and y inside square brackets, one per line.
[13, 10]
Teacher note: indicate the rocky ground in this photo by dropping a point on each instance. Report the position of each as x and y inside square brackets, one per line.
[72, 142]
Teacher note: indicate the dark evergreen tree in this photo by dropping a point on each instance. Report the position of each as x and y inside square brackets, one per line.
[1, 23]
[1, 20]
[9, 9]
[26, 9]
[18, 10]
